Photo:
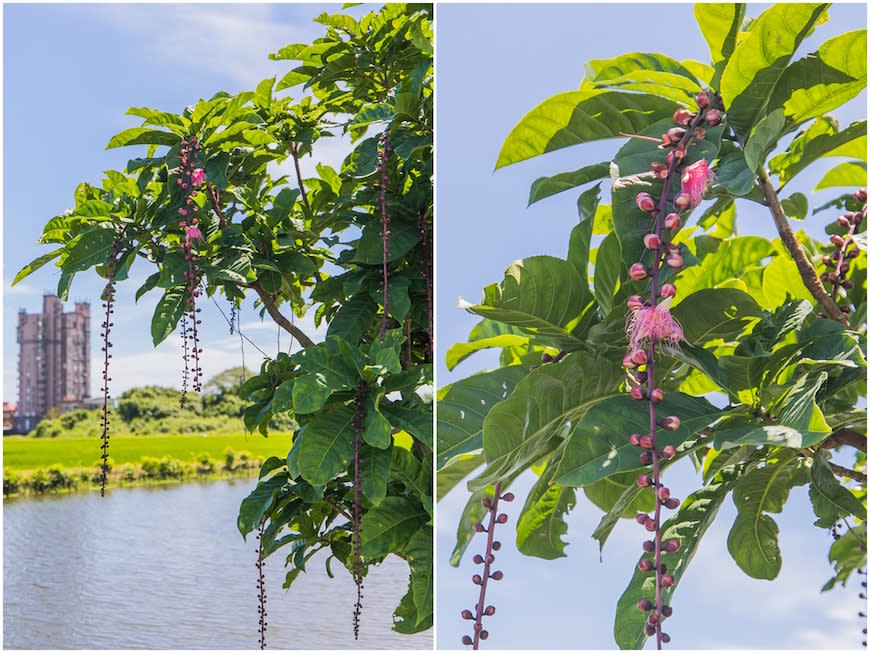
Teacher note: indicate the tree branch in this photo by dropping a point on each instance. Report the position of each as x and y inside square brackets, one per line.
[848, 473]
[214, 195]
[282, 321]
[295, 154]
[848, 437]
[805, 268]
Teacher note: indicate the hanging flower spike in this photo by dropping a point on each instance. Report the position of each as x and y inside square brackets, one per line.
[197, 177]
[695, 179]
[654, 325]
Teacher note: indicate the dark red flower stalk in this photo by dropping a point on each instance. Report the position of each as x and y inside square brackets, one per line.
[845, 249]
[383, 156]
[190, 179]
[487, 559]
[109, 294]
[261, 585]
[185, 374]
[651, 328]
[424, 228]
[357, 545]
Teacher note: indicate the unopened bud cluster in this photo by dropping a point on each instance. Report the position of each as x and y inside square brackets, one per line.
[261, 586]
[358, 418]
[190, 179]
[651, 328]
[486, 559]
[838, 262]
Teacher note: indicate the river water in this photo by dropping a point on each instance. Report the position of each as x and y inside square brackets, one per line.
[165, 567]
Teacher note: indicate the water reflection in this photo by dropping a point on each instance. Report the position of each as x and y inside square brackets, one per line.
[165, 567]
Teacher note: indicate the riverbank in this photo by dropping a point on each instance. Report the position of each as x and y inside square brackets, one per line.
[40, 466]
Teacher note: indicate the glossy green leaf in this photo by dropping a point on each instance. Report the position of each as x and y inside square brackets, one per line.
[547, 186]
[821, 139]
[167, 313]
[418, 553]
[376, 428]
[621, 497]
[753, 539]
[541, 524]
[646, 72]
[577, 117]
[598, 445]
[713, 313]
[848, 554]
[325, 444]
[143, 136]
[353, 318]
[261, 498]
[688, 526]
[459, 351]
[545, 403]
[36, 263]
[734, 175]
[763, 138]
[402, 239]
[90, 248]
[463, 405]
[824, 80]
[374, 465]
[390, 525]
[730, 260]
[760, 59]
[831, 501]
[720, 24]
[310, 392]
[852, 174]
[415, 475]
[541, 295]
[452, 474]
[796, 206]
[608, 270]
[416, 421]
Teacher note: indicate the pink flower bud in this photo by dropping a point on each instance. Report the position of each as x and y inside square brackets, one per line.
[652, 241]
[672, 546]
[507, 496]
[637, 393]
[635, 302]
[641, 518]
[667, 610]
[627, 362]
[646, 442]
[638, 272]
[664, 493]
[839, 241]
[682, 201]
[665, 638]
[660, 170]
[653, 619]
[672, 503]
[634, 440]
[645, 458]
[182, 211]
[649, 546]
[671, 423]
[669, 451]
[639, 357]
[675, 261]
[672, 221]
[645, 202]
[667, 290]
[713, 117]
[657, 395]
[644, 481]
[667, 580]
[703, 99]
[860, 195]
[645, 605]
[700, 132]
[645, 565]
[650, 525]
[683, 116]
[649, 630]
[673, 135]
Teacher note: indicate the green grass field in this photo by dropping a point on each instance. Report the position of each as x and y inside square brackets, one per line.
[21, 453]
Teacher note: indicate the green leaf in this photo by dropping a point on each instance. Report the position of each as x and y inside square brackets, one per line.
[92, 247]
[647, 72]
[463, 405]
[374, 467]
[579, 117]
[608, 270]
[459, 351]
[376, 427]
[418, 553]
[621, 497]
[848, 554]
[796, 206]
[732, 258]
[852, 174]
[406, 616]
[455, 471]
[143, 136]
[598, 445]
[310, 392]
[821, 139]
[823, 80]
[167, 313]
[325, 445]
[353, 318]
[261, 498]
[688, 526]
[415, 475]
[713, 313]
[402, 239]
[416, 421]
[831, 501]
[734, 175]
[389, 526]
[753, 539]
[541, 410]
[36, 263]
[541, 523]
[541, 295]
[760, 59]
[762, 139]
[547, 186]
[720, 24]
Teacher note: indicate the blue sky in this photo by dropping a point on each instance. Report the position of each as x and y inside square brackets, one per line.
[494, 63]
[70, 73]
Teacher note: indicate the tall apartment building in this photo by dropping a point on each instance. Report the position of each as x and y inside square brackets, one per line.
[54, 364]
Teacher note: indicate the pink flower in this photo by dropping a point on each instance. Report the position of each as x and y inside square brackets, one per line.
[192, 234]
[695, 179]
[197, 177]
[653, 324]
